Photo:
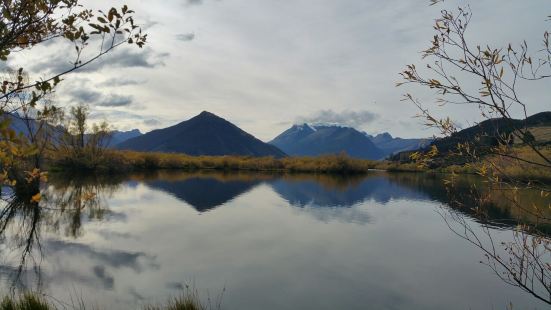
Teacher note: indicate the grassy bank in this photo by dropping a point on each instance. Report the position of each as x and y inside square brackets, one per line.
[189, 300]
[519, 163]
[117, 161]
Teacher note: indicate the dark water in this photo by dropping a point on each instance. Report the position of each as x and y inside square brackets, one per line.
[263, 241]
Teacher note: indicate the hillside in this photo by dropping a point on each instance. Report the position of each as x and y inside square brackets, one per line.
[118, 137]
[390, 145]
[485, 134]
[21, 126]
[306, 140]
[204, 134]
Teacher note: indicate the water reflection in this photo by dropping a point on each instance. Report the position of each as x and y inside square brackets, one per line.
[20, 222]
[203, 191]
[471, 197]
[206, 191]
[339, 191]
[107, 234]
[68, 202]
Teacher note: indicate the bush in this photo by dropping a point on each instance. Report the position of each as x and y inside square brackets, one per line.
[27, 301]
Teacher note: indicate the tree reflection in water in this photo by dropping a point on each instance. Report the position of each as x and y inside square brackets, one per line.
[504, 223]
[488, 218]
[62, 209]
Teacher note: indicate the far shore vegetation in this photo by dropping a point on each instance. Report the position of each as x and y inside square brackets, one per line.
[116, 161]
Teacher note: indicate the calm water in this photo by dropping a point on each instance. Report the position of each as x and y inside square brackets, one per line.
[265, 241]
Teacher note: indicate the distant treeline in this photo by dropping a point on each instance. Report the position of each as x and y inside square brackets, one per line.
[121, 161]
[115, 161]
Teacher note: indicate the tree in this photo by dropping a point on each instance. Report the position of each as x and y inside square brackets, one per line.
[25, 24]
[523, 261]
[78, 124]
[82, 145]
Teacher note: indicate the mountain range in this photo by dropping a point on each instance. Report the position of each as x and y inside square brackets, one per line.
[314, 140]
[118, 137]
[204, 134]
[208, 134]
[390, 145]
[306, 140]
[22, 126]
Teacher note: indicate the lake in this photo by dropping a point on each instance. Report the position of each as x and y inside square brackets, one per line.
[257, 241]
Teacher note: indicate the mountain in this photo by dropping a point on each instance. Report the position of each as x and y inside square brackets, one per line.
[20, 126]
[25, 126]
[306, 140]
[119, 137]
[204, 134]
[485, 133]
[390, 145]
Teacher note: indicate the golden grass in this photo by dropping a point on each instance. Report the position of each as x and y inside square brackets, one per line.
[520, 163]
[124, 161]
[113, 160]
[540, 133]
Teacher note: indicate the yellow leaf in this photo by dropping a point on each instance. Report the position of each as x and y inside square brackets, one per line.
[36, 198]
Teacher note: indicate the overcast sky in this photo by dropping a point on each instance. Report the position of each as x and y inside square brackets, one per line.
[266, 64]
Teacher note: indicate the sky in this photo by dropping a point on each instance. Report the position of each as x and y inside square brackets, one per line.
[268, 64]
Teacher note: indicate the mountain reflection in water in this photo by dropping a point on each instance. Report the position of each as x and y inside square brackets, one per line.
[207, 191]
[106, 234]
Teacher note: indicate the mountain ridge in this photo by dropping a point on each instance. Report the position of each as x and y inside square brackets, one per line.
[484, 134]
[204, 134]
[307, 140]
[393, 145]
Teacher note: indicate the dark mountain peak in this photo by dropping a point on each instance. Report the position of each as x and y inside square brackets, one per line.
[382, 138]
[132, 132]
[206, 114]
[384, 135]
[207, 118]
[204, 134]
[301, 127]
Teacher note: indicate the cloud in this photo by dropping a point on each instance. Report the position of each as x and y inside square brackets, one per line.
[152, 122]
[95, 98]
[117, 82]
[127, 59]
[345, 118]
[185, 37]
[116, 59]
[137, 261]
[193, 2]
[107, 279]
[128, 120]
[83, 95]
[115, 101]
